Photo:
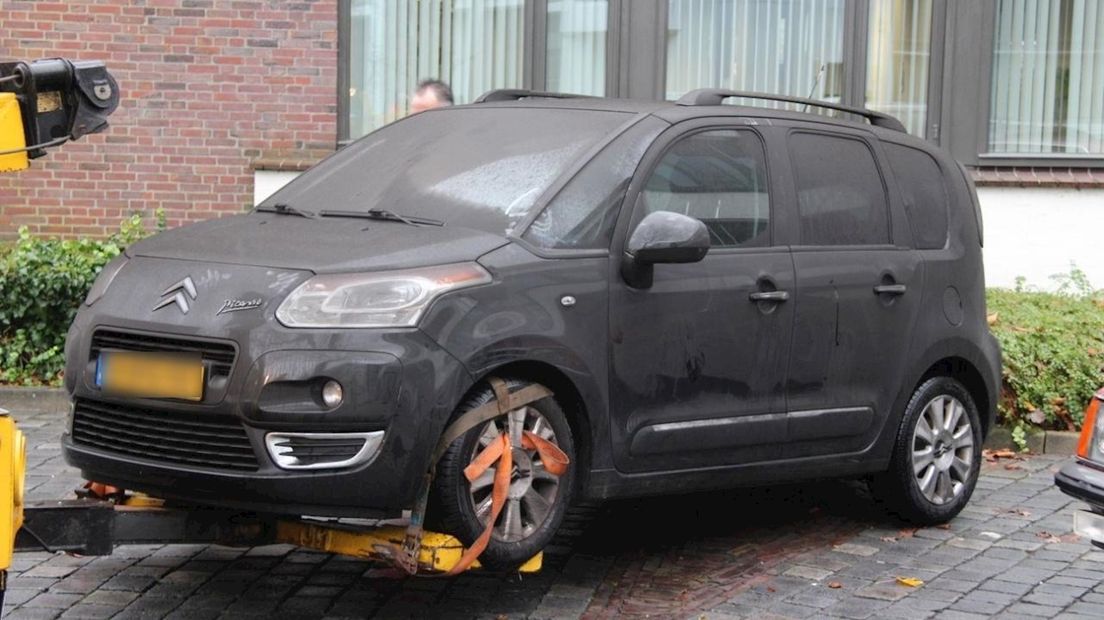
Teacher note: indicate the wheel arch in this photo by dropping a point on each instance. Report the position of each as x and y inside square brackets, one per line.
[966, 373]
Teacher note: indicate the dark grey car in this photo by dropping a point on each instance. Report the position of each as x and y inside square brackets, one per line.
[715, 295]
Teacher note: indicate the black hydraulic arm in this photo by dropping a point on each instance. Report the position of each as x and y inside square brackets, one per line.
[60, 99]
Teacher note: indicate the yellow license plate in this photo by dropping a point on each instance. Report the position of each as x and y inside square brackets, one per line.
[151, 375]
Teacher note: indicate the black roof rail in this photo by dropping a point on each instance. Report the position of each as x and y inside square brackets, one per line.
[514, 94]
[715, 96]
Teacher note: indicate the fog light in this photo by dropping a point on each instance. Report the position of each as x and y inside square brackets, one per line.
[332, 394]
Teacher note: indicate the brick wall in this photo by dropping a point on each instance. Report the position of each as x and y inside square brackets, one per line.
[209, 89]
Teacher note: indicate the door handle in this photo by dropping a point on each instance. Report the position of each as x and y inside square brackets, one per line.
[772, 296]
[890, 289]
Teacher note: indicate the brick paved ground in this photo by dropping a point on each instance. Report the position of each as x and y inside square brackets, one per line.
[767, 553]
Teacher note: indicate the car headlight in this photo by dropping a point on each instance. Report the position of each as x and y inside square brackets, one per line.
[107, 274]
[380, 299]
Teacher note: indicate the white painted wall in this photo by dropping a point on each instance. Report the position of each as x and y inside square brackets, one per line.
[266, 182]
[1039, 232]
[1029, 232]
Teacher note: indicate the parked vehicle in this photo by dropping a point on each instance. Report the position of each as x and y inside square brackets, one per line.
[714, 295]
[1083, 476]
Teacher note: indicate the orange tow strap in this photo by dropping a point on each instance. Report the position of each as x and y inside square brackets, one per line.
[554, 460]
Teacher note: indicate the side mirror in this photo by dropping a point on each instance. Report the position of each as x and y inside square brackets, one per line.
[662, 237]
[665, 237]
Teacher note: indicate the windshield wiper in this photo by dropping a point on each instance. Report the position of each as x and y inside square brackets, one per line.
[285, 209]
[383, 214]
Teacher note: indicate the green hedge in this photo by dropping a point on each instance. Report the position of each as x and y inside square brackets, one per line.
[1053, 346]
[42, 283]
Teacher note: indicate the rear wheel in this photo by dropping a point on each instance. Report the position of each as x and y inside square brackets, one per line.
[937, 455]
[536, 500]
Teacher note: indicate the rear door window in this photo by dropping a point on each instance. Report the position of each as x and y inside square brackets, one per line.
[924, 191]
[841, 198]
[720, 178]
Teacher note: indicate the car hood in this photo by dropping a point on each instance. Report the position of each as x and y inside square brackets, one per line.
[330, 244]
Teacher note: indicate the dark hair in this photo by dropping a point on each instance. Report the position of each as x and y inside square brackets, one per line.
[440, 89]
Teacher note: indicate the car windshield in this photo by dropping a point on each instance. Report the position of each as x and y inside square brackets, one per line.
[481, 168]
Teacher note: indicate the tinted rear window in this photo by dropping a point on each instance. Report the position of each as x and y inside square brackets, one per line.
[840, 196]
[481, 168]
[924, 191]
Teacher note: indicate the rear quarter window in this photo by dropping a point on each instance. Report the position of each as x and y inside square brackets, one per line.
[924, 191]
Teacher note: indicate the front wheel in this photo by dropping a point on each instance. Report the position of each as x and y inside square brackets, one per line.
[537, 499]
[936, 457]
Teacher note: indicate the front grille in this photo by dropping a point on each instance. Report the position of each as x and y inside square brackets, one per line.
[198, 440]
[217, 356]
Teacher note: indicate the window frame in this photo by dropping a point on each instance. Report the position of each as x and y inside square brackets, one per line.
[960, 69]
[630, 217]
[971, 28]
[948, 191]
[893, 242]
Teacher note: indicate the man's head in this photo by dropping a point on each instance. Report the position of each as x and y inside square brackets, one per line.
[430, 94]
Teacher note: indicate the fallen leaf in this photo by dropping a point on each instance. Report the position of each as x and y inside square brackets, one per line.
[944, 526]
[888, 539]
[1012, 467]
[911, 582]
[1069, 538]
[992, 318]
[907, 532]
[771, 589]
[1047, 536]
[1020, 511]
[835, 585]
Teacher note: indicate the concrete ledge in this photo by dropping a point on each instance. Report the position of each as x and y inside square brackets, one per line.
[1038, 442]
[50, 399]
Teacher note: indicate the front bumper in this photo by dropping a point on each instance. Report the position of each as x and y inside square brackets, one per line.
[1082, 481]
[396, 381]
[1086, 483]
[409, 401]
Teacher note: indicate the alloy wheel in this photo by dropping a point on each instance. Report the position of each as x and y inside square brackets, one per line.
[943, 449]
[533, 490]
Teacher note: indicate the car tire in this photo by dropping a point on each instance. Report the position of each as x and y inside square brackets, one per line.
[537, 500]
[936, 457]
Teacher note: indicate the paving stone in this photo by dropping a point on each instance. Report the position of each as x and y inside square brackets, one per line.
[57, 601]
[857, 608]
[90, 611]
[968, 543]
[855, 549]
[808, 572]
[1031, 609]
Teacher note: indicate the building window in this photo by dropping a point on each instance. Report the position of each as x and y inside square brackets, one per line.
[576, 60]
[474, 45]
[898, 50]
[790, 47]
[1048, 78]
